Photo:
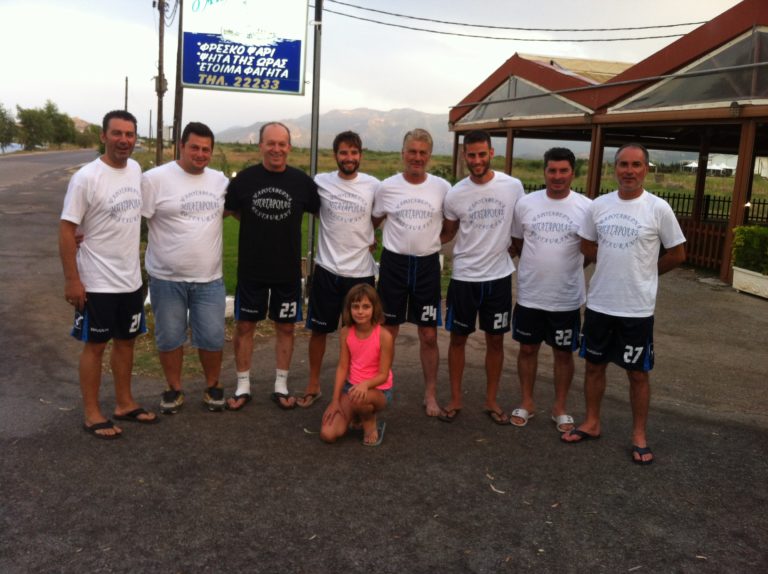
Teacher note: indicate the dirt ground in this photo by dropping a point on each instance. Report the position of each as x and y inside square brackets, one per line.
[256, 491]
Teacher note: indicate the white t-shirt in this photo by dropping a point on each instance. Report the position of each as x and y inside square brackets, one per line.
[628, 235]
[414, 214]
[484, 212]
[185, 220]
[346, 232]
[106, 203]
[551, 268]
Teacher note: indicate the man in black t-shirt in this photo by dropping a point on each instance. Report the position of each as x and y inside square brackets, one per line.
[270, 200]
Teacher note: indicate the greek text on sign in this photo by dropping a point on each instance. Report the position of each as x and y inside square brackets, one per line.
[245, 45]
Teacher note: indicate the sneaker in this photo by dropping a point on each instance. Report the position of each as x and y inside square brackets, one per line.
[171, 401]
[214, 399]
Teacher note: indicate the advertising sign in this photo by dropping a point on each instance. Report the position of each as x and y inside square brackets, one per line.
[245, 45]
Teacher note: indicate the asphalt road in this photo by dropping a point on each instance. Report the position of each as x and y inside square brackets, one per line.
[256, 491]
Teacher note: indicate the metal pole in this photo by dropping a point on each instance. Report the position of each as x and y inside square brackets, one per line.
[126, 94]
[160, 86]
[179, 100]
[318, 24]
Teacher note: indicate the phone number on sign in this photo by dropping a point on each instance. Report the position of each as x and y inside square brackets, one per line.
[238, 82]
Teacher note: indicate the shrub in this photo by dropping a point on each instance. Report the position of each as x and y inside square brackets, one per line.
[750, 248]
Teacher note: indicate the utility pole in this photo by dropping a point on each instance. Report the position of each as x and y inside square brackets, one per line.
[126, 94]
[160, 85]
[318, 25]
[179, 100]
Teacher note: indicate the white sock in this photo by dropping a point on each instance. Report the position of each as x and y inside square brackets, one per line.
[243, 383]
[281, 381]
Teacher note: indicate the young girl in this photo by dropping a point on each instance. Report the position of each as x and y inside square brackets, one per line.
[363, 378]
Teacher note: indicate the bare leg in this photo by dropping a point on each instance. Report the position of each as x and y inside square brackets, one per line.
[211, 363]
[336, 427]
[171, 362]
[594, 389]
[564, 369]
[90, 381]
[494, 362]
[527, 367]
[121, 362]
[366, 411]
[456, 362]
[317, 341]
[284, 352]
[430, 356]
[640, 399]
[243, 341]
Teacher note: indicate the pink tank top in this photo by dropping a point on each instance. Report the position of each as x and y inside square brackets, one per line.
[364, 358]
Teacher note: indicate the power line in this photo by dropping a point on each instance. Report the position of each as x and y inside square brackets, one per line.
[486, 37]
[465, 24]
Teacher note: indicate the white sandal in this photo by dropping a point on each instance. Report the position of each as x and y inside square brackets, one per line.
[520, 413]
[561, 421]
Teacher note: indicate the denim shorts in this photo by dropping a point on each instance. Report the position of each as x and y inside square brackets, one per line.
[177, 305]
[387, 393]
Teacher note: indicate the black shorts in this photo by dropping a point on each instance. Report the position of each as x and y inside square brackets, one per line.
[253, 299]
[625, 341]
[559, 329]
[326, 298]
[409, 287]
[492, 300]
[110, 316]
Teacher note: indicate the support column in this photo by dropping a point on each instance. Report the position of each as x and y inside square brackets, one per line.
[509, 152]
[595, 162]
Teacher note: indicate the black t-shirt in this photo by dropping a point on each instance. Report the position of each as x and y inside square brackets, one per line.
[271, 206]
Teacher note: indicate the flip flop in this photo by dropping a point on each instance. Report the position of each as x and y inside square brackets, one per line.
[448, 416]
[641, 450]
[245, 397]
[380, 429]
[308, 399]
[585, 436]
[134, 415]
[499, 417]
[276, 398]
[107, 424]
[561, 421]
[521, 413]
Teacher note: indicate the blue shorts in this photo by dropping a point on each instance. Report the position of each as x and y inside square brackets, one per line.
[177, 305]
[491, 300]
[387, 393]
[625, 341]
[110, 315]
[283, 300]
[327, 298]
[559, 329]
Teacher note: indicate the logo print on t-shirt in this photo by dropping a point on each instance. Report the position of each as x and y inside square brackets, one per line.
[486, 213]
[414, 213]
[618, 231]
[125, 205]
[201, 206]
[271, 204]
[552, 227]
[345, 208]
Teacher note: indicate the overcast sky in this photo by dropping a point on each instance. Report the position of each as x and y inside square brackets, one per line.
[78, 53]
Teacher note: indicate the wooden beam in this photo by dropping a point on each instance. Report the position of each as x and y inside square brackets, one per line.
[595, 162]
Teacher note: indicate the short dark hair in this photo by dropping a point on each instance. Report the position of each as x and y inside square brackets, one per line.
[199, 129]
[265, 126]
[477, 136]
[641, 147]
[348, 137]
[120, 115]
[356, 293]
[559, 154]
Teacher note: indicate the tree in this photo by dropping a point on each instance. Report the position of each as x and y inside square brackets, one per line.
[63, 128]
[36, 127]
[7, 128]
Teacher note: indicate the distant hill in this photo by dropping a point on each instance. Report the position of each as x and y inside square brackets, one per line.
[380, 131]
[384, 131]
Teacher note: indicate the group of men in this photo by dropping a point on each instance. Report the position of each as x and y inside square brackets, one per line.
[555, 232]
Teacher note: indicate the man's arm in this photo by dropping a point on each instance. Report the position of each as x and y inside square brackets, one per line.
[516, 247]
[74, 291]
[589, 250]
[672, 258]
[448, 232]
